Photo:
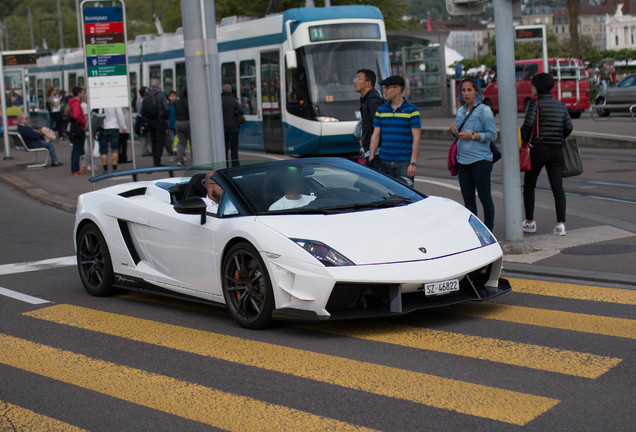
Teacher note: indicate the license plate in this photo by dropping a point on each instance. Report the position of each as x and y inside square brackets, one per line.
[566, 94]
[441, 287]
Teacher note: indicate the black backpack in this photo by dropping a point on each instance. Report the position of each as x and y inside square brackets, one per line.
[150, 106]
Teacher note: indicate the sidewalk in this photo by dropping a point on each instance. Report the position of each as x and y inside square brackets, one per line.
[590, 253]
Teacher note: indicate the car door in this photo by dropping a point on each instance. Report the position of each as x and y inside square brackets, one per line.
[184, 253]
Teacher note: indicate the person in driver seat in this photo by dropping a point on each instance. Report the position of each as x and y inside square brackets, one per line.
[292, 185]
[214, 192]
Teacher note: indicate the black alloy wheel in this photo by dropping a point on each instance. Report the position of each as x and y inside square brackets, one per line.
[247, 288]
[93, 262]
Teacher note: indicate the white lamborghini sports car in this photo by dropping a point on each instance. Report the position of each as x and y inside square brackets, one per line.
[300, 239]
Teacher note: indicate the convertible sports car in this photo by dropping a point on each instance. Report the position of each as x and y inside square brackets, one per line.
[299, 239]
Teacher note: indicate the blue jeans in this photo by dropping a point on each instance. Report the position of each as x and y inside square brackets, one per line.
[50, 147]
[395, 169]
[78, 150]
[477, 176]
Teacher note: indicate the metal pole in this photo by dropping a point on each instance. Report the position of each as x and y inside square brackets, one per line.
[214, 80]
[544, 48]
[206, 148]
[59, 23]
[3, 107]
[80, 42]
[31, 27]
[504, 39]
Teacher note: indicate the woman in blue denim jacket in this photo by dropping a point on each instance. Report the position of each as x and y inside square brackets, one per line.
[474, 158]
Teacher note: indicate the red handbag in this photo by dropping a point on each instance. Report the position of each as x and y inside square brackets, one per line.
[524, 151]
[452, 158]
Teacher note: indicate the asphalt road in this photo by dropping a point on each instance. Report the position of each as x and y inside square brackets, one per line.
[548, 356]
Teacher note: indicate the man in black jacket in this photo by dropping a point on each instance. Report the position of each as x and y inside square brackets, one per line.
[158, 123]
[370, 100]
[549, 133]
[231, 108]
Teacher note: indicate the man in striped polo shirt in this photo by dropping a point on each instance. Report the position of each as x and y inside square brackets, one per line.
[396, 129]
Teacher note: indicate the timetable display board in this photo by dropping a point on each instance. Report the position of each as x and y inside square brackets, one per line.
[105, 55]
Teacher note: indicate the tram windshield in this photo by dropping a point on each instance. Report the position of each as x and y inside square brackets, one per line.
[325, 73]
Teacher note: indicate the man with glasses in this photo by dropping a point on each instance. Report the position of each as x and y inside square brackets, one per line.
[396, 130]
[214, 193]
[370, 100]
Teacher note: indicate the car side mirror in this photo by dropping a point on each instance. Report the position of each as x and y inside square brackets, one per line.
[192, 206]
[406, 181]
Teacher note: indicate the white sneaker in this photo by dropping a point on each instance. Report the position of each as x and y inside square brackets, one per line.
[559, 230]
[530, 227]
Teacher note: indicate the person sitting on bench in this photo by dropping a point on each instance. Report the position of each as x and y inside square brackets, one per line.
[33, 139]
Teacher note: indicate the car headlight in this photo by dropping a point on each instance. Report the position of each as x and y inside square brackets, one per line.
[483, 234]
[323, 253]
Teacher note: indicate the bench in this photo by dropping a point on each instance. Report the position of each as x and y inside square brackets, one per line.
[598, 111]
[19, 144]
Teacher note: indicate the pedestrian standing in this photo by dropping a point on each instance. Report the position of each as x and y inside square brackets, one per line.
[553, 128]
[141, 126]
[370, 100]
[114, 121]
[182, 125]
[396, 131]
[231, 108]
[155, 110]
[77, 115]
[172, 98]
[474, 158]
[124, 134]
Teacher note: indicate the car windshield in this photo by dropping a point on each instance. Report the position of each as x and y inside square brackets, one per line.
[316, 185]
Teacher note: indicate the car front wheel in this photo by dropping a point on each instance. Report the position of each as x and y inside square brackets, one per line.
[93, 261]
[247, 288]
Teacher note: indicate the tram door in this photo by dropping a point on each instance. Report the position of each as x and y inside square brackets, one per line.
[270, 102]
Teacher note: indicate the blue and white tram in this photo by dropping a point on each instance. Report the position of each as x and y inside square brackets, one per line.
[293, 73]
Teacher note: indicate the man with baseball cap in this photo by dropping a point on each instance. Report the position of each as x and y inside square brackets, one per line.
[396, 129]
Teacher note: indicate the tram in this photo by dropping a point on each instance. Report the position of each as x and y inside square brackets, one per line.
[292, 72]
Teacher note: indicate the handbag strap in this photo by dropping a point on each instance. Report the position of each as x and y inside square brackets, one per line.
[459, 129]
[536, 125]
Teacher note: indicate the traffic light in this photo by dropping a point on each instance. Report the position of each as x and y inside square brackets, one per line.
[465, 7]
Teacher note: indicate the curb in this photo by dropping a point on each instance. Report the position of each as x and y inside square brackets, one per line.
[583, 276]
[37, 193]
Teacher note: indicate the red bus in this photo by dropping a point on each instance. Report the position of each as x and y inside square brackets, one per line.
[571, 84]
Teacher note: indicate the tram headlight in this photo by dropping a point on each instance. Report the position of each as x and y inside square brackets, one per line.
[327, 119]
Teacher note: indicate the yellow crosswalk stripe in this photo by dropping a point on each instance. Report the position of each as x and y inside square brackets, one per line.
[496, 350]
[576, 292]
[15, 418]
[163, 393]
[473, 399]
[595, 324]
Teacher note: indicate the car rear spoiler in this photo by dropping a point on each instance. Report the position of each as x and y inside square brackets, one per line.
[135, 173]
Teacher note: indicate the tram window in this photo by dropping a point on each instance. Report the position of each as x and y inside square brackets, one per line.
[40, 93]
[181, 77]
[56, 83]
[297, 94]
[132, 78]
[72, 80]
[154, 72]
[80, 81]
[247, 70]
[228, 75]
[168, 81]
[47, 82]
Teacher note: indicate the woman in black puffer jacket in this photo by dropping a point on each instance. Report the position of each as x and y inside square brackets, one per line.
[554, 126]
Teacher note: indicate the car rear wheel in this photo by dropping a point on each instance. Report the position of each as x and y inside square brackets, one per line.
[93, 261]
[247, 288]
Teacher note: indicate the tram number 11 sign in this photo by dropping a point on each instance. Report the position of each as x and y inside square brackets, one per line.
[105, 56]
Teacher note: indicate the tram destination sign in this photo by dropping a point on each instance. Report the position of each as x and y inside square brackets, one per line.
[105, 56]
[18, 58]
[529, 33]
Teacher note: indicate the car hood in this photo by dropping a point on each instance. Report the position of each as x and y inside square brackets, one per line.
[431, 228]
